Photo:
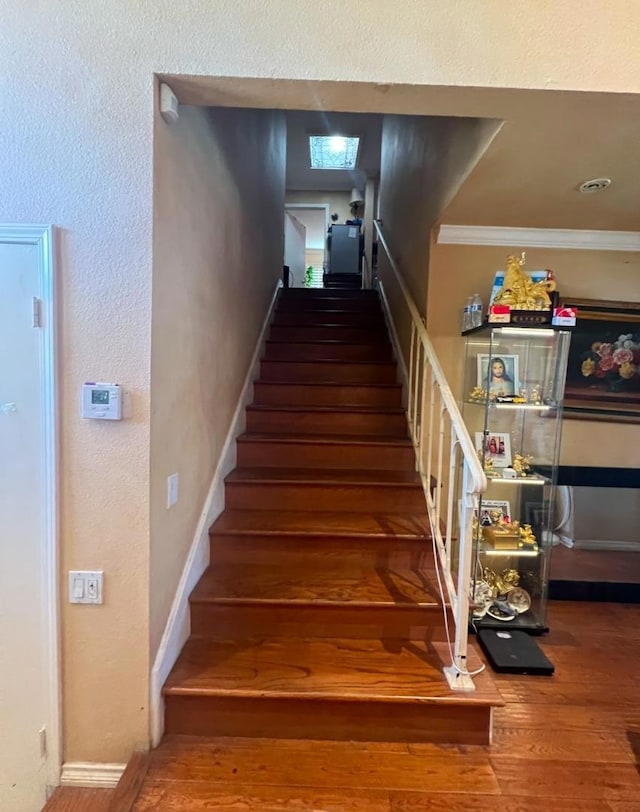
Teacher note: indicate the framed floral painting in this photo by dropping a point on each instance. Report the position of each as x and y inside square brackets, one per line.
[603, 373]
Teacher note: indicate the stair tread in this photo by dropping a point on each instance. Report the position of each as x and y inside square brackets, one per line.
[322, 523]
[390, 670]
[326, 439]
[270, 407]
[330, 342]
[337, 582]
[337, 361]
[316, 476]
[319, 384]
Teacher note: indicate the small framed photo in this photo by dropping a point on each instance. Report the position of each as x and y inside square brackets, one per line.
[502, 378]
[496, 445]
[493, 511]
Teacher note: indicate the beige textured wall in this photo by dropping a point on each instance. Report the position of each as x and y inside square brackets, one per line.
[218, 247]
[457, 271]
[76, 141]
[337, 201]
[423, 163]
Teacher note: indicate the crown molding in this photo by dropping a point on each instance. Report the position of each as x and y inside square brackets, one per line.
[540, 238]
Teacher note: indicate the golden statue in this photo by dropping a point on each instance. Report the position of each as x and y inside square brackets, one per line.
[520, 292]
[503, 583]
[522, 463]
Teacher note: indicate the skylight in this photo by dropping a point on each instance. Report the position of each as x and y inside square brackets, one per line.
[333, 151]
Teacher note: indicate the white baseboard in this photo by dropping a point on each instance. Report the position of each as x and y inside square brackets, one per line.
[178, 625]
[610, 545]
[395, 340]
[90, 774]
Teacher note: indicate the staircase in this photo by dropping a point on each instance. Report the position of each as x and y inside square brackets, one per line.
[319, 616]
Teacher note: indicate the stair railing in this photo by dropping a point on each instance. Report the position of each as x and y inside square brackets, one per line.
[445, 458]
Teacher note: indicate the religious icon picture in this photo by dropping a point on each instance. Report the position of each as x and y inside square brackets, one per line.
[496, 446]
[498, 375]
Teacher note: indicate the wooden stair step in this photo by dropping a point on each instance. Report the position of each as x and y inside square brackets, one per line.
[321, 583]
[327, 372]
[346, 451]
[323, 524]
[352, 318]
[319, 597]
[239, 774]
[328, 489]
[321, 420]
[385, 395]
[298, 549]
[324, 293]
[327, 351]
[342, 688]
[330, 304]
[373, 334]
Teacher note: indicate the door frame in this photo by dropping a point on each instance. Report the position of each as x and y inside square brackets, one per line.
[42, 238]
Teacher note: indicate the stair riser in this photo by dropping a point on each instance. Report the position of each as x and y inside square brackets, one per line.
[344, 303]
[311, 496]
[328, 372]
[334, 720]
[362, 353]
[324, 293]
[259, 454]
[319, 423]
[295, 317]
[363, 623]
[342, 552]
[328, 395]
[356, 335]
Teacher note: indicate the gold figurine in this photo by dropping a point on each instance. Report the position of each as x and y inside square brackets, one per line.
[522, 463]
[520, 292]
[501, 584]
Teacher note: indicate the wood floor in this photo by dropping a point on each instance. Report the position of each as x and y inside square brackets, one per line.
[567, 743]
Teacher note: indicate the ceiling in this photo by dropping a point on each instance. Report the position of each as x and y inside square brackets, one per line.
[303, 123]
[551, 141]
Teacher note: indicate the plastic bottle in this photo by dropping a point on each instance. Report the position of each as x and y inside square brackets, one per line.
[476, 310]
[466, 315]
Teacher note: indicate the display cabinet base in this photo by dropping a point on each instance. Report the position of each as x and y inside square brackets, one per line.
[527, 622]
[510, 651]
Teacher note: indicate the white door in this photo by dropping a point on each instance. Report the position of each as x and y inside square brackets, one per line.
[27, 529]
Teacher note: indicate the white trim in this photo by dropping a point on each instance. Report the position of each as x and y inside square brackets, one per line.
[611, 545]
[42, 237]
[325, 206]
[395, 340]
[581, 239]
[90, 774]
[178, 625]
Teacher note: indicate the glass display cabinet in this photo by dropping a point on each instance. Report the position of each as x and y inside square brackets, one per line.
[512, 406]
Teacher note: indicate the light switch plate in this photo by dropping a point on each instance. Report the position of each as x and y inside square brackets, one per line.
[85, 586]
[172, 490]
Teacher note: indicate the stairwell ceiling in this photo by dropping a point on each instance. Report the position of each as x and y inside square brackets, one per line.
[551, 141]
[303, 123]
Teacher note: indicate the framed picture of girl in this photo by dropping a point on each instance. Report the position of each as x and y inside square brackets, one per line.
[501, 377]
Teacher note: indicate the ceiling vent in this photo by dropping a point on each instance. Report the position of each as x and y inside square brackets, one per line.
[595, 185]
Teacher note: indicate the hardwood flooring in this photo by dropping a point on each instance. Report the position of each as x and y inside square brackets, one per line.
[568, 564]
[567, 743]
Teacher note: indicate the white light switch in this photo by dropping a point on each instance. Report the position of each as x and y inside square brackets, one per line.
[85, 587]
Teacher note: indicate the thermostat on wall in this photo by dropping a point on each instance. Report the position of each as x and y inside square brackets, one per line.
[102, 401]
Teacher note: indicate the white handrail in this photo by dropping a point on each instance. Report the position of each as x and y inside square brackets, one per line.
[443, 447]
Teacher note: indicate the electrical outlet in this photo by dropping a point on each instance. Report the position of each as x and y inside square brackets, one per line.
[85, 587]
[172, 490]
